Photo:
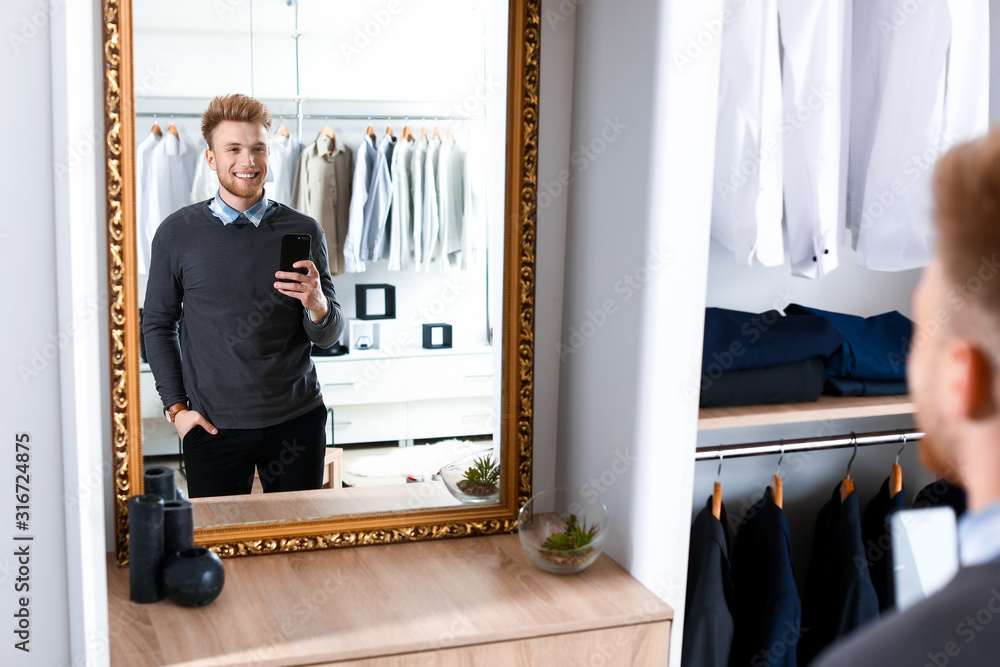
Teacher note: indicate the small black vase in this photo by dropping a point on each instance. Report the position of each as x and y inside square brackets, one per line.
[194, 577]
[159, 481]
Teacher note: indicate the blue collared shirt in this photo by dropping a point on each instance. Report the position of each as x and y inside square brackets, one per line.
[254, 214]
[979, 535]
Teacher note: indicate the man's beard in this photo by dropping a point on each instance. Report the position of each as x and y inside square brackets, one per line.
[242, 189]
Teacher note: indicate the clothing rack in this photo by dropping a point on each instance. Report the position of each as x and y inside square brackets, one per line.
[899, 436]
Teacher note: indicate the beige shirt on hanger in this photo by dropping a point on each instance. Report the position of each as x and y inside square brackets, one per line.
[323, 191]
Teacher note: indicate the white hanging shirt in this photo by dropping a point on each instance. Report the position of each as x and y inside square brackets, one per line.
[364, 163]
[282, 166]
[431, 222]
[897, 128]
[450, 201]
[813, 38]
[206, 180]
[171, 172]
[374, 243]
[474, 207]
[142, 224]
[401, 213]
[417, 192]
[967, 92]
[747, 204]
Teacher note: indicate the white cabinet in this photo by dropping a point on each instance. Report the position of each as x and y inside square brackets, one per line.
[410, 395]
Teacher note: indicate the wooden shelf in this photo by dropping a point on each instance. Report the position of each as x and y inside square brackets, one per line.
[827, 407]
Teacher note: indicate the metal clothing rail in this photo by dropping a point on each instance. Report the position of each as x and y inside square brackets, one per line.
[808, 444]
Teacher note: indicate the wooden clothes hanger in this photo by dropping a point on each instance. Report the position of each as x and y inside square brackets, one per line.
[407, 133]
[847, 486]
[423, 133]
[327, 132]
[370, 132]
[437, 133]
[283, 131]
[450, 134]
[173, 130]
[388, 131]
[156, 129]
[896, 480]
[717, 492]
[778, 492]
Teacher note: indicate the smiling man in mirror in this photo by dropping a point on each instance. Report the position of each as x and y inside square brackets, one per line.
[228, 336]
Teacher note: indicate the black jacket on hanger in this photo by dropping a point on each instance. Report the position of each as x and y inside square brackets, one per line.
[941, 493]
[839, 596]
[766, 610]
[708, 620]
[877, 538]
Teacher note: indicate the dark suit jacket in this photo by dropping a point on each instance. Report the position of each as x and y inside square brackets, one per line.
[941, 493]
[708, 620]
[767, 612]
[839, 596]
[958, 626]
[878, 543]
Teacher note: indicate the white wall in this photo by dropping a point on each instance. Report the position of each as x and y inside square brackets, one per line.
[55, 379]
[558, 33]
[636, 259]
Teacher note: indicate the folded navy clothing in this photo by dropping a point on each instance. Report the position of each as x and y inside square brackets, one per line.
[797, 382]
[738, 341]
[852, 387]
[874, 348]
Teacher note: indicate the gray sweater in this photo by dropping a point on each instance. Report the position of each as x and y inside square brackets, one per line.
[242, 356]
[958, 625]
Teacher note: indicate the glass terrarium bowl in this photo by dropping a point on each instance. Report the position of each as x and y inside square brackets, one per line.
[543, 525]
[459, 478]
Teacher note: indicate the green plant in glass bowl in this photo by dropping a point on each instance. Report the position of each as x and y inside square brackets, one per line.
[474, 478]
[562, 530]
[575, 538]
[482, 478]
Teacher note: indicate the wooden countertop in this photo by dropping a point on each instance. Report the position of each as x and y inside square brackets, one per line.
[344, 604]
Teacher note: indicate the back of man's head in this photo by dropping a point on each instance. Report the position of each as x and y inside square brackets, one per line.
[236, 107]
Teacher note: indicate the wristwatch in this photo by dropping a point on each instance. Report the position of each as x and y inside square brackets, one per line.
[171, 412]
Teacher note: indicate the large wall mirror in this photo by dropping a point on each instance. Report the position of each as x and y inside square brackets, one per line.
[434, 369]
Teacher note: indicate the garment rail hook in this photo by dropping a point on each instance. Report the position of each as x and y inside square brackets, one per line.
[902, 433]
[854, 439]
[781, 457]
[718, 474]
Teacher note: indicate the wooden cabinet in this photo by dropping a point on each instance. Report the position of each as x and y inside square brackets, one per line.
[473, 601]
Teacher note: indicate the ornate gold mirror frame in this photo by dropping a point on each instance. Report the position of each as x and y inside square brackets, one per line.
[517, 325]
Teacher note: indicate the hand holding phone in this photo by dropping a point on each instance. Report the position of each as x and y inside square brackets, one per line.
[294, 247]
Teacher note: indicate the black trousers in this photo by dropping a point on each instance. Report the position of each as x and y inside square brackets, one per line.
[287, 456]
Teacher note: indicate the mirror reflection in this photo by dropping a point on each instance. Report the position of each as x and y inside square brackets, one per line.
[352, 389]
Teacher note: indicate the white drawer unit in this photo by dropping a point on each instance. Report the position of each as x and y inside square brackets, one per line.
[358, 382]
[454, 417]
[415, 394]
[368, 423]
[453, 376]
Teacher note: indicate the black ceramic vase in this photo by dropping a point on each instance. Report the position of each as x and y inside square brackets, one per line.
[145, 537]
[194, 577]
[178, 527]
[159, 481]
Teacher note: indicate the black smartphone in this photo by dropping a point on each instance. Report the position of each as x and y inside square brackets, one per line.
[294, 247]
